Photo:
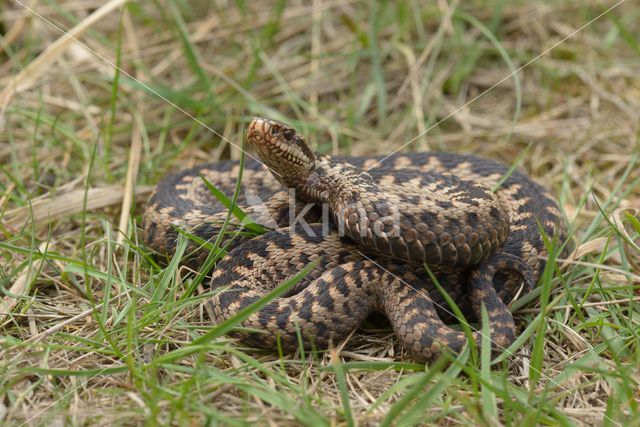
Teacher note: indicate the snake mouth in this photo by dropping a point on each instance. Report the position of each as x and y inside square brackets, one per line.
[279, 145]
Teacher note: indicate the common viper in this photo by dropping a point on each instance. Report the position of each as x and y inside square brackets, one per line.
[389, 217]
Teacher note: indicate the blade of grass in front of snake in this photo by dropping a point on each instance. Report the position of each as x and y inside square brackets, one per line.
[243, 314]
[403, 383]
[245, 219]
[537, 353]
[264, 390]
[168, 273]
[415, 415]
[536, 325]
[466, 327]
[202, 244]
[415, 390]
[525, 335]
[407, 382]
[217, 251]
[341, 381]
[488, 396]
[558, 250]
[222, 328]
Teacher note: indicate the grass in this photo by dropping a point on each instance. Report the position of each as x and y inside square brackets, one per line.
[94, 332]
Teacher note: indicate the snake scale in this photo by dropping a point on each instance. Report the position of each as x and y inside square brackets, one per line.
[396, 224]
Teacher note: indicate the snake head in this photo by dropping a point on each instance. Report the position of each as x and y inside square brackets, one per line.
[282, 149]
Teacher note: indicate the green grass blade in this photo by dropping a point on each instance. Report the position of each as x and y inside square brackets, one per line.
[341, 379]
[245, 219]
[416, 390]
[489, 404]
[222, 328]
[243, 314]
[466, 327]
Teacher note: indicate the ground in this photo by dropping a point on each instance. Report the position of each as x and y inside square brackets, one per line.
[94, 332]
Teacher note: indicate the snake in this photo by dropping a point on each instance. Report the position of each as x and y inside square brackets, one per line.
[402, 235]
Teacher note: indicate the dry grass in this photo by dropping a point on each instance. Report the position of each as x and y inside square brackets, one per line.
[86, 339]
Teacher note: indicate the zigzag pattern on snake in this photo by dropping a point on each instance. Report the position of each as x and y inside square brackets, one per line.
[387, 222]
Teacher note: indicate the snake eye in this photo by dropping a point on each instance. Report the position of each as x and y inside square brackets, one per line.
[288, 134]
[273, 131]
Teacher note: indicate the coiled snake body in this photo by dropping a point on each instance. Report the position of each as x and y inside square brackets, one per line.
[391, 218]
